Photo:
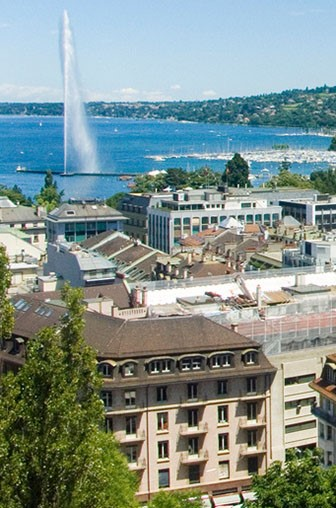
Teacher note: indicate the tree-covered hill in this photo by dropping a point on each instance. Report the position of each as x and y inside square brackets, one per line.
[309, 108]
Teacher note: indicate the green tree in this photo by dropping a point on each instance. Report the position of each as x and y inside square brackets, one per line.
[115, 200]
[286, 178]
[6, 308]
[49, 196]
[332, 146]
[236, 172]
[15, 194]
[164, 499]
[300, 483]
[53, 451]
[324, 181]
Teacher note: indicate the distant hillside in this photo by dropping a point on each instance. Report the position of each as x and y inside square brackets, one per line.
[315, 108]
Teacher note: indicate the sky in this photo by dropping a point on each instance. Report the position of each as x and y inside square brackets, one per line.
[153, 50]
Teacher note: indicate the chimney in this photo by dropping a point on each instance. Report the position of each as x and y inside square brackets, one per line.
[144, 297]
[234, 327]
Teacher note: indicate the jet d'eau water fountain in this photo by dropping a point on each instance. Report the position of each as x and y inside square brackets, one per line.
[79, 148]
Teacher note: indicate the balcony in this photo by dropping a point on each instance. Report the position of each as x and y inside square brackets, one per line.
[194, 458]
[246, 450]
[245, 423]
[138, 465]
[201, 428]
[324, 415]
[122, 437]
[251, 395]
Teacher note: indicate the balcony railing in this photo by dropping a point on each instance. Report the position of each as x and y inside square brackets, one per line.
[245, 449]
[194, 458]
[122, 437]
[138, 465]
[244, 422]
[324, 415]
[186, 430]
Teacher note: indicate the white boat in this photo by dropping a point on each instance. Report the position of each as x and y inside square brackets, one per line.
[21, 168]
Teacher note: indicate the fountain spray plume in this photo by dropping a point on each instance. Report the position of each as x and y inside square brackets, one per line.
[79, 147]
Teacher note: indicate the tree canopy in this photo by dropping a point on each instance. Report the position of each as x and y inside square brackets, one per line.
[236, 172]
[49, 196]
[6, 308]
[300, 483]
[164, 499]
[53, 451]
[285, 178]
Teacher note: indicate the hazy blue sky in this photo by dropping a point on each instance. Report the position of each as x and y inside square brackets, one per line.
[168, 49]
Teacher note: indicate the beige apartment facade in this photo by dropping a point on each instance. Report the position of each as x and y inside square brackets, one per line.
[192, 415]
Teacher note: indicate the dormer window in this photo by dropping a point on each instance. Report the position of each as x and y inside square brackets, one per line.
[250, 357]
[129, 369]
[192, 363]
[220, 360]
[160, 365]
[106, 367]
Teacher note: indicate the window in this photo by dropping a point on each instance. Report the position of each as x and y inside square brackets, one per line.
[328, 459]
[131, 425]
[251, 385]
[106, 397]
[129, 369]
[161, 394]
[131, 453]
[321, 430]
[194, 474]
[193, 446]
[108, 425]
[222, 387]
[223, 442]
[162, 421]
[163, 478]
[252, 465]
[160, 366]
[299, 427]
[251, 410]
[252, 438]
[329, 432]
[222, 413]
[192, 418]
[192, 391]
[250, 358]
[130, 398]
[221, 360]
[105, 369]
[307, 378]
[295, 404]
[223, 470]
[163, 449]
[191, 363]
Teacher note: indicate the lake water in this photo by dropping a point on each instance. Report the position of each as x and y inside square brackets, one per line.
[139, 146]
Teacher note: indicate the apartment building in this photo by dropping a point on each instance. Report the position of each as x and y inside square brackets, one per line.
[188, 399]
[325, 409]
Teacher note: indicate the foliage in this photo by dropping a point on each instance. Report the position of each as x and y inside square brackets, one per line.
[332, 146]
[176, 178]
[324, 181]
[49, 196]
[6, 308]
[286, 178]
[15, 194]
[236, 172]
[115, 200]
[53, 451]
[164, 499]
[300, 483]
[309, 109]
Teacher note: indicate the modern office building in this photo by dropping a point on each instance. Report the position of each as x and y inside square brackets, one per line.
[319, 211]
[77, 220]
[188, 212]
